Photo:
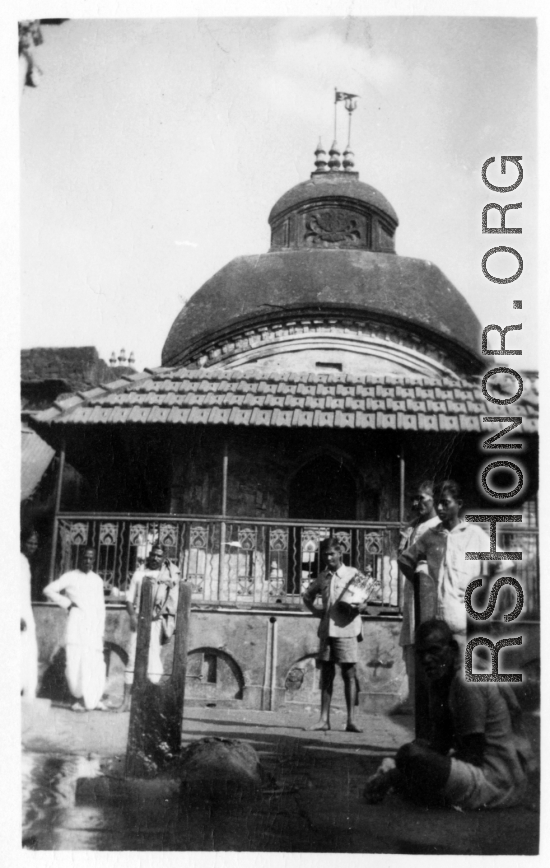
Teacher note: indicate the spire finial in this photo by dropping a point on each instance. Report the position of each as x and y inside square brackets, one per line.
[334, 162]
[348, 162]
[321, 159]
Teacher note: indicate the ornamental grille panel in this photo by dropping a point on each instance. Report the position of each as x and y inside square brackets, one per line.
[108, 534]
[168, 535]
[258, 562]
[78, 533]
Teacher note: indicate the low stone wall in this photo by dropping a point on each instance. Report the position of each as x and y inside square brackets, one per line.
[262, 659]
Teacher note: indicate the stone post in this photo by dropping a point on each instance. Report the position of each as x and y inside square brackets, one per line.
[156, 714]
[424, 609]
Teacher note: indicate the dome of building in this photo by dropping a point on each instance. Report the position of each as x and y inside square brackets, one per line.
[332, 258]
[345, 185]
[278, 286]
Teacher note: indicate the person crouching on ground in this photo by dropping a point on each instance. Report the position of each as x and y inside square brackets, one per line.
[80, 592]
[339, 631]
[478, 755]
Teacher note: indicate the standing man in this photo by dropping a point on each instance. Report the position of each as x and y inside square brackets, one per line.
[166, 576]
[29, 651]
[425, 517]
[440, 555]
[80, 592]
[339, 631]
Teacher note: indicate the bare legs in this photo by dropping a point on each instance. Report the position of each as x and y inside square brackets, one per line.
[418, 772]
[424, 772]
[350, 690]
[127, 700]
[327, 681]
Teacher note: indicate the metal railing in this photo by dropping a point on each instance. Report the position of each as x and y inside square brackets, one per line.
[261, 562]
[227, 560]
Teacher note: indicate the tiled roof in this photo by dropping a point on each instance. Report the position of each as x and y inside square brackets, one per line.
[72, 367]
[255, 396]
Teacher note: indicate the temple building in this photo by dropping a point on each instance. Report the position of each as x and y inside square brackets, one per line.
[303, 392]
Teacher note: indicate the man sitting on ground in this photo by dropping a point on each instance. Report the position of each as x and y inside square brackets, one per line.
[478, 755]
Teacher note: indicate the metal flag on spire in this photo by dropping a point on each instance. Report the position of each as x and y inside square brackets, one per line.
[350, 104]
[339, 95]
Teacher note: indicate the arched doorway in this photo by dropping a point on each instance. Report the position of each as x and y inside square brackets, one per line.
[324, 491]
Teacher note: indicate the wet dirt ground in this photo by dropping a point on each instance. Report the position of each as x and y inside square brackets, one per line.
[311, 801]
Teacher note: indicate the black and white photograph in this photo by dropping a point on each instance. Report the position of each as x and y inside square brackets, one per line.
[279, 399]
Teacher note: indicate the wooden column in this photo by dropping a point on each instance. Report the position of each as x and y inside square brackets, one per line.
[402, 484]
[222, 583]
[58, 490]
[424, 609]
[401, 513]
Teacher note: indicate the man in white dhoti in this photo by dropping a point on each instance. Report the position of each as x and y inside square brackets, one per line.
[29, 651]
[80, 592]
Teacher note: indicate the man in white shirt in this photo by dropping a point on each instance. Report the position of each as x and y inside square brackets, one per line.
[158, 567]
[440, 554]
[29, 651]
[339, 631]
[80, 592]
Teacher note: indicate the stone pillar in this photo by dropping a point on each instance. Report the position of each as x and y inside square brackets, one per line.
[156, 715]
[425, 599]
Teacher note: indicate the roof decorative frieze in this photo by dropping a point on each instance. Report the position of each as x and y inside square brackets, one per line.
[359, 335]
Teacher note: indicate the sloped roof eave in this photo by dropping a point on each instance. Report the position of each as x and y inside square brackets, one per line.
[261, 397]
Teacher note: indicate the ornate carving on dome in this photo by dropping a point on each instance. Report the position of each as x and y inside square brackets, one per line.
[332, 228]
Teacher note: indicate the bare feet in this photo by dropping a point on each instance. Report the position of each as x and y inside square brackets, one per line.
[379, 784]
[377, 787]
[351, 727]
[322, 726]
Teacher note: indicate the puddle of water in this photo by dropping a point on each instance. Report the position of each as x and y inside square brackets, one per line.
[149, 817]
[51, 820]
